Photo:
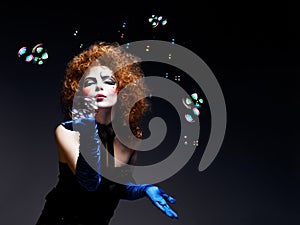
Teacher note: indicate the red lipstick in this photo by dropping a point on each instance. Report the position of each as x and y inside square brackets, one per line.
[100, 97]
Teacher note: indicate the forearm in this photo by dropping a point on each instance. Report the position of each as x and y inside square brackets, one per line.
[88, 162]
[86, 175]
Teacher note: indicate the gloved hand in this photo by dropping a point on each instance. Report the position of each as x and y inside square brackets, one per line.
[157, 196]
[83, 107]
[88, 163]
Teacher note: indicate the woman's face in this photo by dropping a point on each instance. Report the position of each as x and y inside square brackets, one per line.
[100, 85]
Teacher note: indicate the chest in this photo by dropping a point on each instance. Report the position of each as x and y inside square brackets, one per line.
[122, 154]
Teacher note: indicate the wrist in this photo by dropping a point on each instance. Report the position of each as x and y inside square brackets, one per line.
[147, 188]
[135, 191]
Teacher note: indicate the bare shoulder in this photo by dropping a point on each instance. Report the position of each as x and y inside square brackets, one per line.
[62, 133]
[68, 145]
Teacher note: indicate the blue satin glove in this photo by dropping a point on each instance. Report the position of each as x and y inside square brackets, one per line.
[157, 196]
[88, 163]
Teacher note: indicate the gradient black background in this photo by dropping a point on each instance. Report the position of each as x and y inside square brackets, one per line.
[253, 50]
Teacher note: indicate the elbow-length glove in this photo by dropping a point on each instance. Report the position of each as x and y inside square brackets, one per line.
[88, 163]
[157, 196]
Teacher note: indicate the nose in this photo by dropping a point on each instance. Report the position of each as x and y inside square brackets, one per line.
[99, 86]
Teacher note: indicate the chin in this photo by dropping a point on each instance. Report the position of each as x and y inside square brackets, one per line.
[104, 106]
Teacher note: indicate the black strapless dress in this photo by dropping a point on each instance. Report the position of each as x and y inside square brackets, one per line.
[68, 203]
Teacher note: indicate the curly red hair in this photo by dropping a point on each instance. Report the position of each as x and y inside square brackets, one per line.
[126, 69]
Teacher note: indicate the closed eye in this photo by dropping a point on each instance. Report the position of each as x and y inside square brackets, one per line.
[89, 81]
[110, 81]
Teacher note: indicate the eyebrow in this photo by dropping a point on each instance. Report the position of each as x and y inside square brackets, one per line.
[105, 76]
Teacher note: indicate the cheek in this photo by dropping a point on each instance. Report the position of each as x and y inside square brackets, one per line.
[86, 91]
[113, 90]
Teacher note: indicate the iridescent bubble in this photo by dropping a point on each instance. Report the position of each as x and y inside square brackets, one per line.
[164, 22]
[40, 62]
[196, 111]
[154, 24]
[156, 20]
[198, 101]
[37, 48]
[35, 59]
[189, 118]
[192, 103]
[22, 51]
[29, 58]
[44, 55]
[198, 105]
[39, 53]
[187, 102]
[194, 96]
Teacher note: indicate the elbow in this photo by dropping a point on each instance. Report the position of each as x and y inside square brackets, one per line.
[91, 184]
[95, 185]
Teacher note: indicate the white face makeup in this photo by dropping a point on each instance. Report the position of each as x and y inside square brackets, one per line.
[100, 85]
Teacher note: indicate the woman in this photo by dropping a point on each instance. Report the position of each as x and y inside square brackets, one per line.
[86, 140]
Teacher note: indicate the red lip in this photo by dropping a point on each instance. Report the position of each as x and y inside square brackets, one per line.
[100, 97]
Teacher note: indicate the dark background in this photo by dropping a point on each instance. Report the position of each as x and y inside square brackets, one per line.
[251, 47]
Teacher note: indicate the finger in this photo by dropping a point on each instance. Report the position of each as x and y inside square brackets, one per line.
[160, 206]
[169, 198]
[170, 212]
[90, 103]
[164, 207]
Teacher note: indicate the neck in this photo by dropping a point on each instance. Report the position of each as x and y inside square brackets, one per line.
[104, 115]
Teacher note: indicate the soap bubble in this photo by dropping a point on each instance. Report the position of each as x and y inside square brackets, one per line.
[37, 55]
[157, 20]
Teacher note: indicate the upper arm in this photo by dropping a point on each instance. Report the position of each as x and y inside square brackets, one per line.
[68, 146]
